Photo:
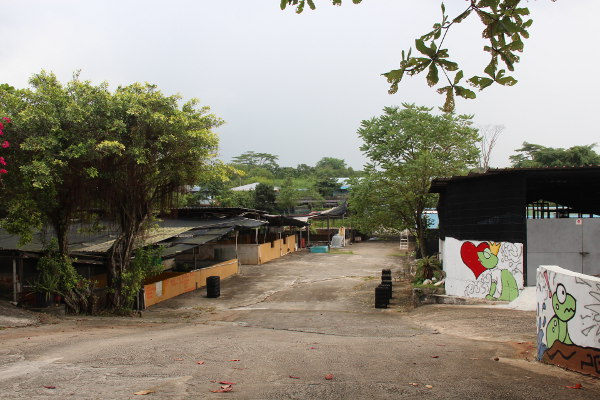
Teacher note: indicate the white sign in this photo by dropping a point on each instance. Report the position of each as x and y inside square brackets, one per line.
[578, 221]
[159, 289]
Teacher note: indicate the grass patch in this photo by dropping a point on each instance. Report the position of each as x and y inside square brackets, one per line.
[339, 251]
[399, 254]
[368, 278]
[204, 309]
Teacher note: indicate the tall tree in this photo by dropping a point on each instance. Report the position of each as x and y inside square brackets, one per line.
[54, 135]
[254, 159]
[154, 148]
[505, 25]
[534, 155]
[407, 148]
[326, 186]
[264, 197]
[288, 196]
[331, 167]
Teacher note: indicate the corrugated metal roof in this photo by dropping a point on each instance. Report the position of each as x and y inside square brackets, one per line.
[168, 252]
[100, 242]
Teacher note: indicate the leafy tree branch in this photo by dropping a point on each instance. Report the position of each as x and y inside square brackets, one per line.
[505, 26]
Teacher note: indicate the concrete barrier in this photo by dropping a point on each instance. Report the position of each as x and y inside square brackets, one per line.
[568, 319]
[170, 284]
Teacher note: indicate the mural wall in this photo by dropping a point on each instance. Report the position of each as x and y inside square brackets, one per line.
[568, 319]
[486, 270]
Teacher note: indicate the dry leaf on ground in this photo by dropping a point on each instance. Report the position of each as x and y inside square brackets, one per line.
[224, 389]
[143, 392]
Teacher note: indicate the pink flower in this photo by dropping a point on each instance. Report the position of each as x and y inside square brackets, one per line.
[1, 126]
[2, 162]
[5, 144]
[8, 120]
[1, 133]
[3, 171]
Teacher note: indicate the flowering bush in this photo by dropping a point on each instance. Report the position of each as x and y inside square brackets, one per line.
[4, 144]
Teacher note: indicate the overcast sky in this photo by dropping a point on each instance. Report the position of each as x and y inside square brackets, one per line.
[298, 85]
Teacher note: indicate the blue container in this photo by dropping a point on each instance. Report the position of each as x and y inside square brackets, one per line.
[319, 249]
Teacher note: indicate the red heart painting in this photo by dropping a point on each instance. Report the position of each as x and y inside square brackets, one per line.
[468, 253]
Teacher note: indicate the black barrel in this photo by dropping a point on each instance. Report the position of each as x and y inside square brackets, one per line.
[388, 287]
[386, 277]
[381, 297]
[213, 286]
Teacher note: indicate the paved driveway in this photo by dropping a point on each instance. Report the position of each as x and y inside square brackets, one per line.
[277, 331]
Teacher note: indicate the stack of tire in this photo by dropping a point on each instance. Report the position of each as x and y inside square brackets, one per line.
[383, 292]
[386, 279]
[213, 286]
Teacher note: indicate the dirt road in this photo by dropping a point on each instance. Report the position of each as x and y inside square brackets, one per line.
[277, 331]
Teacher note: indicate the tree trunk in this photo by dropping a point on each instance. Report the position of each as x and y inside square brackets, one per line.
[119, 259]
[421, 242]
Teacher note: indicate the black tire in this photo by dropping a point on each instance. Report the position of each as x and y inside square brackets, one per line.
[213, 286]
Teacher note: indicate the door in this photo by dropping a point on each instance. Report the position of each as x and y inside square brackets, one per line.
[570, 243]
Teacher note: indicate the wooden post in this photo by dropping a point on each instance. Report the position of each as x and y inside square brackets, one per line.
[15, 280]
[328, 233]
[20, 284]
[195, 253]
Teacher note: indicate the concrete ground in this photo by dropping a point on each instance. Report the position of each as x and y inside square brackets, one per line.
[277, 331]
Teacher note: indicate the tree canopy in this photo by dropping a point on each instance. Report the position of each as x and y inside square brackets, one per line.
[407, 148]
[534, 155]
[505, 26]
[79, 147]
[54, 133]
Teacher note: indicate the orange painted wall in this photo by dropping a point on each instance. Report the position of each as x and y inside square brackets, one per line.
[170, 284]
[277, 248]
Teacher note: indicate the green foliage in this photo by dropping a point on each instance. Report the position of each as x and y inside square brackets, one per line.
[326, 186]
[165, 146]
[330, 167]
[230, 198]
[427, 268]
[505, 26]
[146, 263]
[534, 156]
[128, 152]
[54, 134]
[264, 197]
[57, 275]
[287, 197]
[407, 148]
[253, 159]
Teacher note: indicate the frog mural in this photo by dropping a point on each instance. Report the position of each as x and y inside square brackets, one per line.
[563, 305]
[484, 257]
[568, 319]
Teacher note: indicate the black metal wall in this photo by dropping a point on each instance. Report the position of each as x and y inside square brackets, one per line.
[488, 208]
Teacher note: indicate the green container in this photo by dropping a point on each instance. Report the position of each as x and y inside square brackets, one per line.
[319, 249]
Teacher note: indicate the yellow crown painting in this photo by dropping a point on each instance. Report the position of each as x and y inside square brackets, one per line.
[495, 247]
